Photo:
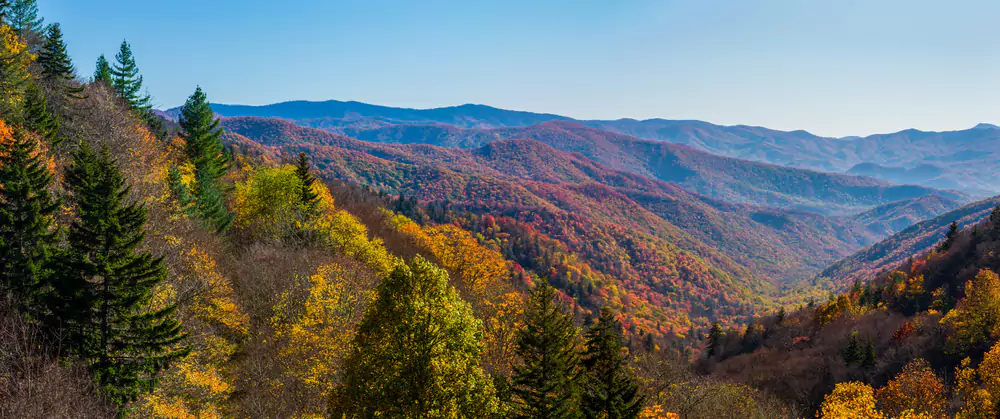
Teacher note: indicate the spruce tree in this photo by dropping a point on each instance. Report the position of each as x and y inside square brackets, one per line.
[23, 17]
[105, 285]
[127, 81]
[714, 340]
[57, 68]
[950, 236]
[102, 72]
[38, 118]
[610, 391]
[27, 212]
[203, 146]
[545, 384]
[308, 196]
[416, 353]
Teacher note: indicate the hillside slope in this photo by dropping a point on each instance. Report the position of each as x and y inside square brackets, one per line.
[897, 248]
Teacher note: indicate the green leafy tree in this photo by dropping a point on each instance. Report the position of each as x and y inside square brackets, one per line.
[37, 116]
[105, 288]
[203, 146]
[102, 71]
[308, 196]
[546, 383]
[23, 17]
[610, 390]
[416, 353]
[127, 81]
[27, 212]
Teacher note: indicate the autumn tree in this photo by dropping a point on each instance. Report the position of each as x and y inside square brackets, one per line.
[975, 320]
[27, 212]
[23, 17]
[103, 293]
[203, 147]
[102, 72]
[303, 170]
[916, 389]
[416, 353]
[546, 383]
[975, 402]
[14, 76]
[610, 391]
[853, 400]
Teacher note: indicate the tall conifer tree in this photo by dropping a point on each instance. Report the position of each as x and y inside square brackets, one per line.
[57, 67]
[37, 116]
[610, 391]
[303, 170]
[14, 75]
[102, 72]
[203, 146]
[546, 383]
[105, 285]
[23, 17]
[127, 81]
[27, 212]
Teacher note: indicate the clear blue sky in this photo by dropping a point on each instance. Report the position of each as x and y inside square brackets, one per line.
[835, 67]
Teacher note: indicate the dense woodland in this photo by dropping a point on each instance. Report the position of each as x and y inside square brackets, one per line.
[162, 268]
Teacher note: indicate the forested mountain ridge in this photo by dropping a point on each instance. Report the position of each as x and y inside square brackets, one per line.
[962, 159]
[733, 180]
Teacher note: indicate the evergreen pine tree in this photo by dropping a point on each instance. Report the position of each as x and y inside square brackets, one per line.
[57, 68]
[995, 220]
[4, 11]
[104, 288]
[416, 353]
[949, 238]
[27, 212]
[102, 72]
[38, 118]
[127, 81]
[545, 384]
[714, 340]
[203, 146]
[23, 17]
[302, 169]
[610, 391]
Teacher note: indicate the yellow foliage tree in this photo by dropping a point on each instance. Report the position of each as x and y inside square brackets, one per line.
[977, 402]
[14, 76]
[975, 321]
[853, 400]
[315, 332]
[916, 389]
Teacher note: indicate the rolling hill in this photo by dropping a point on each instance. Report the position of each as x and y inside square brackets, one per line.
[965, 160]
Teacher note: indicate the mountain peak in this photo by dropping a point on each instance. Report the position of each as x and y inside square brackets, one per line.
[984, 125]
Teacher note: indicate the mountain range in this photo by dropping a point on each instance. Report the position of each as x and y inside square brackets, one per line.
[965, 160]
[681, 252]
